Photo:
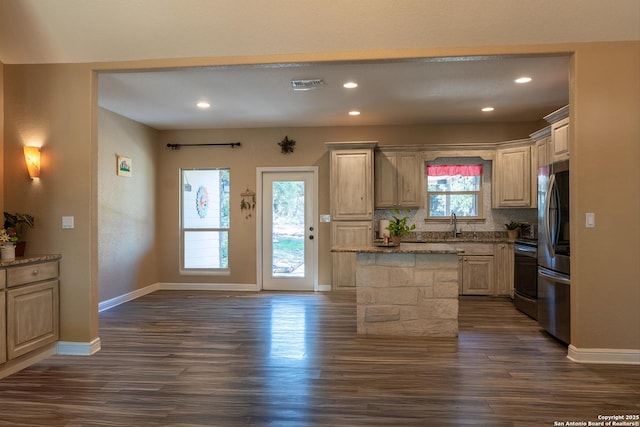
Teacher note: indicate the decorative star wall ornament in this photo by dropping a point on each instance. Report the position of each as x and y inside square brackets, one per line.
[286, 145]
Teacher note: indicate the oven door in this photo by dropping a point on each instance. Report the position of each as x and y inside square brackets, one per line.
[526, 280]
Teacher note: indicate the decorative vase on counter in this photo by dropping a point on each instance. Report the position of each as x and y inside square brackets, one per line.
[513, 234]
[7, 252]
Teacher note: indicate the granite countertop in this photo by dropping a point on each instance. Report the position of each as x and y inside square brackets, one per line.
[452, 240]
[462, 237]
[30, 259]
[404, 248]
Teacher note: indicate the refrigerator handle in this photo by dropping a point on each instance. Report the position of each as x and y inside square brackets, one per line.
[545, 215]
[554, 278]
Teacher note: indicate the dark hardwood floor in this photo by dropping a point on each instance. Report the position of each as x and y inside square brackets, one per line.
[177, 358]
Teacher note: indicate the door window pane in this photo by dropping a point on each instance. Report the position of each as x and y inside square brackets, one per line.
[288, 229]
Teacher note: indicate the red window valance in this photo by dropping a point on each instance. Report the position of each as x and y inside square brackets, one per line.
[449, 170]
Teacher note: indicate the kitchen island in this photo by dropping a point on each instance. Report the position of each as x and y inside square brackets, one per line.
[411, 289]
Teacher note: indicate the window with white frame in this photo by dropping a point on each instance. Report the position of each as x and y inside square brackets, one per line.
[454, 188]
[204, 219]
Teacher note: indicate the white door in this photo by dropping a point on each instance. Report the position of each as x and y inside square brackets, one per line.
[289, 248]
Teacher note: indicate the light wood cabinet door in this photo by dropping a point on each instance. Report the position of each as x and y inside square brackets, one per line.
[398, 180]
[560, 139]
[352, 184]
[386, 182]
[543, 147]
[512, 178]
[504, 264]
[409, 180]
[348, 233]
[32, 317]
[3, 326]
[476, 272]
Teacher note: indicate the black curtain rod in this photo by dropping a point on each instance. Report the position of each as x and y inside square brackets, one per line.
[177, 146]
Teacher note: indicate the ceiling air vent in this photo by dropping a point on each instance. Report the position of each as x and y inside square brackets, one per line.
[308, 84]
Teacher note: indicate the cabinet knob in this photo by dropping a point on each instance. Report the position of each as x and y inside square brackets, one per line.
[34, 272]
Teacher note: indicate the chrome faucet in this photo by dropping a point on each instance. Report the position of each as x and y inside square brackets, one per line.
[454, 221]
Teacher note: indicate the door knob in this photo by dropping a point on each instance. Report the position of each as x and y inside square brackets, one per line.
[311, 237]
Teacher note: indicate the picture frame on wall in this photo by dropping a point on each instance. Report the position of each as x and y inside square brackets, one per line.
[124, 166]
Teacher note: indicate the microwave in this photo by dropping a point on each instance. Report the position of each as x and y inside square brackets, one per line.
[528, 230]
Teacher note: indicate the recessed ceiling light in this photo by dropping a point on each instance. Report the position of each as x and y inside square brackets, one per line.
[203, 104]
[487, 109]
[350, 85]
[354, 113]
[523, 80]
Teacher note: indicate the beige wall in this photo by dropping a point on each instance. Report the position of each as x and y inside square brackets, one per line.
[51, 105]
[260, 149]
[58, 101]
[126, 208]
[605, 151]
[1, 138]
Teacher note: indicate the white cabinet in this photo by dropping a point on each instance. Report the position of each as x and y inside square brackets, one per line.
[513, 185]
[398, 179]
[348, 233]
[560, 140]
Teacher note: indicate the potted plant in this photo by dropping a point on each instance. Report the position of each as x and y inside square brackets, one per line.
[398, 227]
[512, 230]
[7, 244]
[15, 223]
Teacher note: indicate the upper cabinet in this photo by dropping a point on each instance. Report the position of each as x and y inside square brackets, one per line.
[398, 179]
[513, 177]
[559, 121]
[351, 180]
[560, 140]
[542, 142]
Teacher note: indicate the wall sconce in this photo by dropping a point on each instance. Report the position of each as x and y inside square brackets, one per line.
[32, 157]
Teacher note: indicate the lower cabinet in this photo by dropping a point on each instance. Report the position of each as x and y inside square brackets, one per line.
[476, 272]
[504, 264]
[348, 233]
[486, 269]
[29, 309]
[3, 326]
[32, 317]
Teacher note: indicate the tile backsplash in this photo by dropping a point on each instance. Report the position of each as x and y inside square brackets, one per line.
[494, 220]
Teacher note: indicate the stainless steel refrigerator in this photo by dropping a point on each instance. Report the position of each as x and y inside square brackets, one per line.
[554, 278]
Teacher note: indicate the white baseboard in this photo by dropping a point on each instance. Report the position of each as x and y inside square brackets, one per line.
[324, 288]
[604, 355]
[113, 302]
[70, 348]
